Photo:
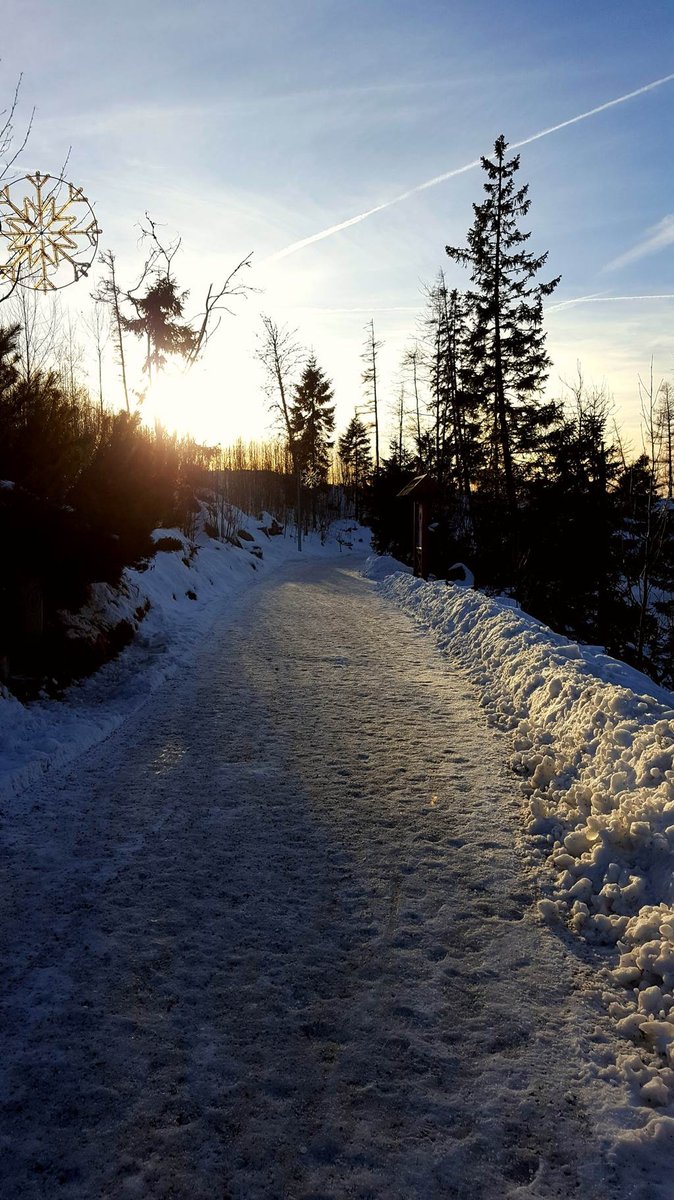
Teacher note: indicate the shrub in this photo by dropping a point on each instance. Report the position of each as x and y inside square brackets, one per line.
[167, 544]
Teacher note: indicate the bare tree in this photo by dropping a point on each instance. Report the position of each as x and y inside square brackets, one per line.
[399, 413]
[665, 422]
[280, 355]
[108, 293]
[69, 355]
[98, 326]
[9, 152]
[369, 378]
[215, 304]
[412, 360]
[39, 321]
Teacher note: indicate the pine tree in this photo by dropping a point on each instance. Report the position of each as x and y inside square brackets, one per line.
[439, 367]
[356, 458]
[507, 354]
[388, 517]
[312, 417]
[9, 357]
[665, 423]
[454, 442]
[569, 525]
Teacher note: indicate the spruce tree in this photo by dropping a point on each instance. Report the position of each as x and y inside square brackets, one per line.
[453, 447]
[440, 365]
[507, 356]
[9, 357]
[160, 322]
[312, 417]
[356, 458]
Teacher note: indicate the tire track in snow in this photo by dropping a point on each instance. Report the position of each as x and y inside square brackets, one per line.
[272, 941]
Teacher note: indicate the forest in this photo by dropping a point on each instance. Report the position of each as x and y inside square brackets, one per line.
[538, 496]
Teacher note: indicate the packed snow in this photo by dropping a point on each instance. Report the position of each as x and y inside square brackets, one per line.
[274, 938]
[593, 740]
[172, 603]
[347, 982]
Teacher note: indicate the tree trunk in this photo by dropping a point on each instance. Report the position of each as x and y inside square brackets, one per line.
[118, 322]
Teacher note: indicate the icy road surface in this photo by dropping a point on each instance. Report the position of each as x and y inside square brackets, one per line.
[272, 940]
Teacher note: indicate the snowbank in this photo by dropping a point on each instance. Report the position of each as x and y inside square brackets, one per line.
[594, 742]
[172, 604]
[380, 566]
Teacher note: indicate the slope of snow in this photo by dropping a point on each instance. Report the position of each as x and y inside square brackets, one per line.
[594, 742]
[178, 597]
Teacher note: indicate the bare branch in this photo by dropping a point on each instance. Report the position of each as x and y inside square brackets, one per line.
[13, 288]
[232, 286]
[7, 132]
[159, 250]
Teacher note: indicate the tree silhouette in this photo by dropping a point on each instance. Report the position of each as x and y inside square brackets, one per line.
[506, 348]
[356, 458]
[370, 378]
[159, 321]
[312, 418]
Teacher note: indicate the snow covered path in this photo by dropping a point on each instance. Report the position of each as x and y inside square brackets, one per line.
[271, 940]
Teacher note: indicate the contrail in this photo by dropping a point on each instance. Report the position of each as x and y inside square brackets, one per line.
[604, 299]
[318, 237]
[422, 187]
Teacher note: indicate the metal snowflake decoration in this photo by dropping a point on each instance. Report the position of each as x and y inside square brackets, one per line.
[48, 238]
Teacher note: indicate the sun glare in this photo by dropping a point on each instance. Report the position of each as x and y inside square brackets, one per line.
[173, 401]
[196, 405]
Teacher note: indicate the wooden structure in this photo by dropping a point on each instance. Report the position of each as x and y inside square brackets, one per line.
[421, 491]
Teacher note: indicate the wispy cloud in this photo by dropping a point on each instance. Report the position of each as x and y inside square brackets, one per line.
[430, 183]
[656, 238]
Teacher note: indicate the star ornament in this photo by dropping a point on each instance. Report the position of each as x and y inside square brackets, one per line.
[48, 233]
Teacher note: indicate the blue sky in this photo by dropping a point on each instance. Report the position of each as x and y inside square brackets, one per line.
[250, 126]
